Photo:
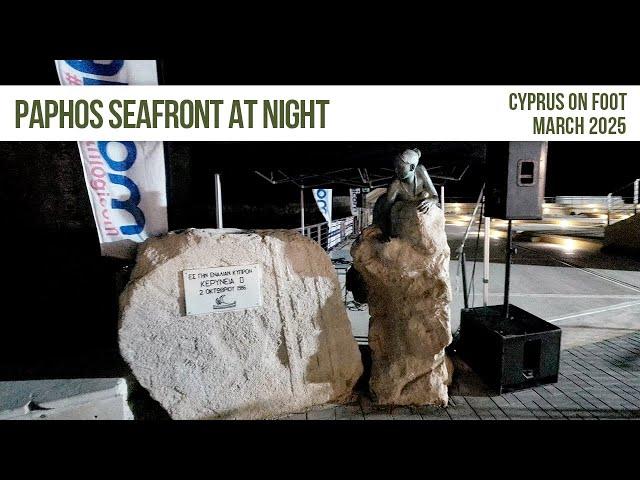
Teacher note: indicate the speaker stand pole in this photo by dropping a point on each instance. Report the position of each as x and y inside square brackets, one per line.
[487, 246]
[507, 272]
[463, 261]
[464, 240]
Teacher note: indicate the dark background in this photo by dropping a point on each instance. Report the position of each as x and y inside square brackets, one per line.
[42, 189]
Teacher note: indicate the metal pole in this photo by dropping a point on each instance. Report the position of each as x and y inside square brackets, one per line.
[461, 256]
[485, 276]
[365, 210]
[473, 216]
[463, 261]
[636, 189]
[442, 197]
[218, 193]
[302, 210]
[507, 272]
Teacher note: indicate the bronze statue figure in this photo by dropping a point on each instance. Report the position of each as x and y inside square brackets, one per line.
[412, 182]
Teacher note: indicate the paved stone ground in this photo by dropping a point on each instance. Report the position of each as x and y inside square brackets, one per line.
[597, 381]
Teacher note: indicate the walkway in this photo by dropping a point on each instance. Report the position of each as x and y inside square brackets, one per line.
[597, 382]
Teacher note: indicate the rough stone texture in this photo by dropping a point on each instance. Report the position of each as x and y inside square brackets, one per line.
[409, 294]
[65, 399]
[293, 352]
[624, 235]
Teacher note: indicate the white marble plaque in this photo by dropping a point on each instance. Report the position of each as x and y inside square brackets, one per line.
[220, 289]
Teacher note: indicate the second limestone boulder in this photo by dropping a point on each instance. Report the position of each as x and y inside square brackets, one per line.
[408, 292]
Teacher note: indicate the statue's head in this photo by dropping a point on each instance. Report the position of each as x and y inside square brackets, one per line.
[406, 162]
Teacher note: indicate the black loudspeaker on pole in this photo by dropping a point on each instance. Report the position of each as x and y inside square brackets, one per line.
[507, 346]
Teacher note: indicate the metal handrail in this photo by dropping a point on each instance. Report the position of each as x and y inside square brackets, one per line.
[636, 187]
[471, 220]
[333, 235]
[461, 256]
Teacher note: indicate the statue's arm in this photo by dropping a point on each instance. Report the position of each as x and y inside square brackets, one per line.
[392, 193]
[427, 180]
[429, 195]
[385, 209]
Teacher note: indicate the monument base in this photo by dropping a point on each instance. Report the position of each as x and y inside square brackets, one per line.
[408, 292]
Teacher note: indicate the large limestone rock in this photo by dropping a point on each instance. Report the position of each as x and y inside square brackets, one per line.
[624, 235]
[408, 292]
[295, 351]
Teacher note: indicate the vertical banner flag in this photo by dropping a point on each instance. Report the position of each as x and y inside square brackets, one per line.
[354, 200]
[323, 200]
[126, 180]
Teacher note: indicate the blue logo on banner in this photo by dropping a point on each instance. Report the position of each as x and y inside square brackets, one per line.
[110, 69]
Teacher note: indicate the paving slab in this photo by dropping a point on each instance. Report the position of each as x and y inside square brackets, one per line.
[405, 413]
[429, 412]
[322, 414]
[349, 412]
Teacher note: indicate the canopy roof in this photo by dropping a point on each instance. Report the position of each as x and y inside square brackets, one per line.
[357, 164]
[355, 177]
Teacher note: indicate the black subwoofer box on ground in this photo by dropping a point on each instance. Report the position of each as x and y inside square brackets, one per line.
[509, 354]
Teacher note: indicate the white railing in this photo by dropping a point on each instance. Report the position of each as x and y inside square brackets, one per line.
[624, 211]
[584, 201]
[330, 235]
[590, 209]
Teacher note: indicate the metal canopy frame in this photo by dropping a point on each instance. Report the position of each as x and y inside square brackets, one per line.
[352, 177]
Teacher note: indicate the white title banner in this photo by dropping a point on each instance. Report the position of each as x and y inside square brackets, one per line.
[352, 113]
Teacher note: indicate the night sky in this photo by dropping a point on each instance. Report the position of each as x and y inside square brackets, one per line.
[573, 168]
[42, 188]
[591, 168]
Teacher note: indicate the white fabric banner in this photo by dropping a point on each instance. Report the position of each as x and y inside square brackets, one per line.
[323, 198]
[354, 200]
[126, 180]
